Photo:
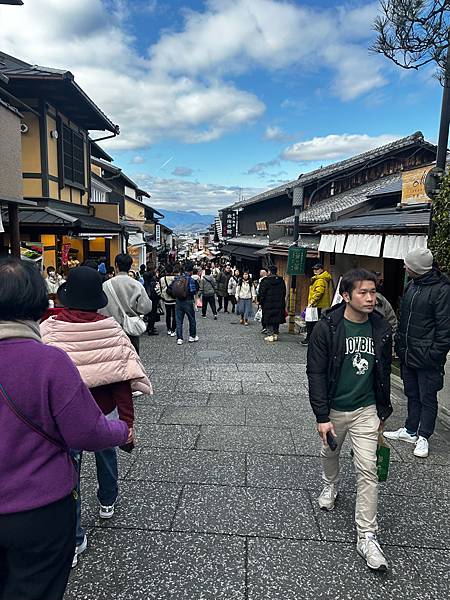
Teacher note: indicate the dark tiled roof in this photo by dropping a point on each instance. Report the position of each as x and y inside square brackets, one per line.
[19, 71]
[304, 241]
[56, 218]
[382, 221]
[322, 211]
[344, 165]
[248, 240]
[393, 188]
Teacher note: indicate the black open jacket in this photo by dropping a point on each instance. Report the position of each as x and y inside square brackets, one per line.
[326, 353]
[423, 334]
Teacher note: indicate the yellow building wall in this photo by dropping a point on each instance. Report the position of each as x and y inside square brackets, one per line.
[134, 210]
[49, 255]
[31, 154]
[97, 245]
[53, 189]
[52, 150]
[65, 194]
[96, 169]
[109, 212]
[32, 187]
[114, 249]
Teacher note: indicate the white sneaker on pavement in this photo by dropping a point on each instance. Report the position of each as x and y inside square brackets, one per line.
[401, 434]
[369, 548]
[193, 339]
[328, 497]
[179, 342]
[169, 333]
[271, 338]
[78, 550]
[106, 512]
[421, 449]
[173, 333]
[137, 393]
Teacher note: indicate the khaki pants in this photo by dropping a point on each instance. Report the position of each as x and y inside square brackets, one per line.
[362, 427]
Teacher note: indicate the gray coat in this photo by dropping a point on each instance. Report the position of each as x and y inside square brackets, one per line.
[208, 285]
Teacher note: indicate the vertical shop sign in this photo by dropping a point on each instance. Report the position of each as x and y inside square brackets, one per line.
[158, 235]
[229, 223]
[65, 254]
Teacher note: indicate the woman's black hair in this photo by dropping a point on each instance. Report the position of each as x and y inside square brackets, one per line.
[169, 269]
[23, 293]
[351, 277]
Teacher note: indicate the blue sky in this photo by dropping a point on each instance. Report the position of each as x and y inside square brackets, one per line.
[225, 97]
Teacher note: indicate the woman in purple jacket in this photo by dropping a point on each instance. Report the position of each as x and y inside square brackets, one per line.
[45, 408]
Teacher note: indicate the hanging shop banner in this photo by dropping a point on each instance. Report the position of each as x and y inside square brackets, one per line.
[413, 185]
[2, 229]
[229, 223]
[158, 234]
[65, 254]
[296, 261]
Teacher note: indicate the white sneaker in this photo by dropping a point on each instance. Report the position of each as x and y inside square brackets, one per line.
[173, 333]
[421, 448]
[137, 393]
[369, 548]
[78, 550]
[193, 339]
[271, 338]
[179, 342]
[401, 434]
[106, 512]
[328, 496]
[169, 333]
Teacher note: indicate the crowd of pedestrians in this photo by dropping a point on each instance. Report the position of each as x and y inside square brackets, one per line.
[85, 365]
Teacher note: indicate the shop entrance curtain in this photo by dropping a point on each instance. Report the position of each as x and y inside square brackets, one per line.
[398, 246]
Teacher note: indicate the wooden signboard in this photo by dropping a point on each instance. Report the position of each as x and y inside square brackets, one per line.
[296, 261]
[413, 185]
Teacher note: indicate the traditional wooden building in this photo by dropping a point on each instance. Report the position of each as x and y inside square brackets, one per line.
[55, 161]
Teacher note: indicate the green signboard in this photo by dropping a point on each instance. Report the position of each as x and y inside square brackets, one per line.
[296, 261]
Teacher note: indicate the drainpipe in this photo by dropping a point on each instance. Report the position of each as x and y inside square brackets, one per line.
[297, 203]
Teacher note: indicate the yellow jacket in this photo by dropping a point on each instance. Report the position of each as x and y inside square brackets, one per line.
[319, 291]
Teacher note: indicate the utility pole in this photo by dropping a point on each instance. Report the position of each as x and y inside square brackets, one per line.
[297, 203]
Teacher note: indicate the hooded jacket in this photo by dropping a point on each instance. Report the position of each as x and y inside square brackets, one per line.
[208, 286]
[326, 353]
[100, 349]
[272, 297]
[423, 335]
[319, 290]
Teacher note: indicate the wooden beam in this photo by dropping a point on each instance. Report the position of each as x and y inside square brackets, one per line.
[13, 214]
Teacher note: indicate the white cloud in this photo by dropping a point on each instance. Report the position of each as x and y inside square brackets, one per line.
[175, 194]
[276, 134]
[182, 172]
[334, 147]
[182, 86]
[138, 160]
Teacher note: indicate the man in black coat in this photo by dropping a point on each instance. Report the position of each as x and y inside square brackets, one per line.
[422, 343]
[272, 297]
[348, 367]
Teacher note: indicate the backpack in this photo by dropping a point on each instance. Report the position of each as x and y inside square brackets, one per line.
[179, 288]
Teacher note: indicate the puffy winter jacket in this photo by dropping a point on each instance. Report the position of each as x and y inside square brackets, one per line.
[232, 285]
[326, 353]
[222, 283]
[423, 335]
[319, 290]
[101, 350]
[272, 297]
[208, 285]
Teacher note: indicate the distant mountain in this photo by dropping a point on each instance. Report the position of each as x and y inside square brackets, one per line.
[186, 221]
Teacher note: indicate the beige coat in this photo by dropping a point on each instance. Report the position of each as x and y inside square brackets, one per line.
[100, 349]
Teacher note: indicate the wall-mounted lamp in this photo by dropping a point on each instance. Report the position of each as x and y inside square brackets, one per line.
[54, 134]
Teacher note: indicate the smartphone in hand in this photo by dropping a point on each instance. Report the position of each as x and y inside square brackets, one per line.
[331, 441]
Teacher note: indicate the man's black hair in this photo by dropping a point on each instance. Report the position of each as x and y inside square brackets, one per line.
[207, 271]
[273, 269]
[169, 270]
[23, 293]
[90, 262]
[351, 277]
[188, 266]
[50, 268]
[123, 262]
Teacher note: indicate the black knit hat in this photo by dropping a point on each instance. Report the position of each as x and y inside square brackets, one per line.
[83, 290]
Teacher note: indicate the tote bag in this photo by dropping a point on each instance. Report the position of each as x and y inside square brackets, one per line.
[311, 314]
[133, 326]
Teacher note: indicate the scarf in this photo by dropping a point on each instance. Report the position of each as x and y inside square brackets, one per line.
[20, 329]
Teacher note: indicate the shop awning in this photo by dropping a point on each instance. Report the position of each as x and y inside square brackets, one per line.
[363, 245]
[332, 243]
[242, 251]
[136, 239]
[398, 246]
[49, 218]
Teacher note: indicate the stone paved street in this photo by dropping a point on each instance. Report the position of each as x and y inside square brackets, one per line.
[219, 499]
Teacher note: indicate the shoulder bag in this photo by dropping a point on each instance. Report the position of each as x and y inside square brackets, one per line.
[133, 326]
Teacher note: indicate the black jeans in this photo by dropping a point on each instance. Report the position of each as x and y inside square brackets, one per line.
[134, 339]
[232, 299]
[170, 317]
[211, 301]
[311, 324]
[36, 551]
[421, 387]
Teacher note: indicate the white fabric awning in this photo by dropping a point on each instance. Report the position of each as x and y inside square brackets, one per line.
[398, 246]
[136, 239]
[332, 243]
[363, 245]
